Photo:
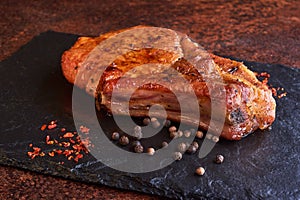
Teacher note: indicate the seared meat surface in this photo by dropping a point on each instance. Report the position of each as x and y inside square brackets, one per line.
[249, 103]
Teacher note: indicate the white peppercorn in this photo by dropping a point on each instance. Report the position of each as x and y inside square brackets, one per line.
[172, 129]
[177, 155]
[219, 159]
[139, 148]
[179, 133]
[200, 171]
[146, 121]
[191, 149]
[215, 139]
[195, 144]
[199, 134]
[181, 147]
[135, 143]
[124, 140]
[150, 151]
[209, 136]
[137, 132]
[173, 135]
[115, 136]
[187, 133]
[155, 124]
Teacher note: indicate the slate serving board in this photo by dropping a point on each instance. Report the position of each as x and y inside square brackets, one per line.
[33, 91]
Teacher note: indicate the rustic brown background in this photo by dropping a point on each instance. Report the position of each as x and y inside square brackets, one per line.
[264, 31]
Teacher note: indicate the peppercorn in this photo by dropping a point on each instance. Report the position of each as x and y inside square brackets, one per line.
[179, 133]
[137, 132]
[215, 139]
[167, 123]
[173, 135]
[187, 133]
[115, 136]
[209, 136]
[139, 148]
[124, 140]
[137, 129]
[154, 119]
[199, 134]
[164, 144]
[146, 121]
[135, 143]
[200, 171]
[195, 144]
[172, 129]
[181, 147]
[191, 149]
[177, 155]
[151, 151]
[219, 159]
[155, 123]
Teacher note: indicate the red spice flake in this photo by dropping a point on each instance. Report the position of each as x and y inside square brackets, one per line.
[66, 144]
[78, 156]
[70, 157]
[68, 135]
[51, 154]
[43, 127]
[68, 152]
[48, 141]
[264, 74]
[84, 129]
[58, 151]
[72, 152]
[72, 141]
[282, 95]
[36, 149]
[42, 154]
[31, 155]
[52, 126]
[274, 91]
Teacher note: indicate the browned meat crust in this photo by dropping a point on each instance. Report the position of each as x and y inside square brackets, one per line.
[249, 103]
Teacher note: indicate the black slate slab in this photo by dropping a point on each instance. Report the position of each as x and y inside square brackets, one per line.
[33, 92]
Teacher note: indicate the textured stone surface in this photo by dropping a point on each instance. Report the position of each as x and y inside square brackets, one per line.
[253, 168]
[264, 31]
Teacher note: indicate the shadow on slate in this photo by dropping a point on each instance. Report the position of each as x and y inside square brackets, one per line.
[33, 91]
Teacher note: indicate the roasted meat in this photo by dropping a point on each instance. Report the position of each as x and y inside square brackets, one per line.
[249, 102]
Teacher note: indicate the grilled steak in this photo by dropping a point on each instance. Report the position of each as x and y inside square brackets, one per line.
[249, 103]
